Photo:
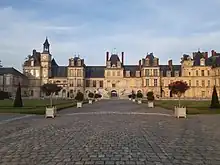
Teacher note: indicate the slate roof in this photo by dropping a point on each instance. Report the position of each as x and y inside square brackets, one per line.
[12, 71]
[59, 71]
[174, 68]
[114, 58]
[95, 71]
[132, 69]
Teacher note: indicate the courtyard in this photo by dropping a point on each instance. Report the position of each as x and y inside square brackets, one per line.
[111, 132]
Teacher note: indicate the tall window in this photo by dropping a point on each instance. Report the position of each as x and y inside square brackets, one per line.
[208, 83]
[71, 72]
[147, 72]
[101, 84]
[197, 73]
[71, 83]
[37, 73]
[155, 72]
[94, 83]
[189, 82]
[155, 82]
[197, 83]
[108, 73]
[147, 82]
[203, 83]
[113, 73]
[79, 73]
[118, 73]
[207, 72]
[87, 83]
[202, 72]
[79, 84]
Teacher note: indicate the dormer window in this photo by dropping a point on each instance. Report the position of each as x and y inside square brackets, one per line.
[176, 73]
[79, 62]
[202, 62]
[147, 62]
[32, 62]
[127, 73]
[168, 73]
[137, 73]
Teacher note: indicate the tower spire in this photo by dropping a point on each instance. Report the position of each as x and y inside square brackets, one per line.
[46, 46]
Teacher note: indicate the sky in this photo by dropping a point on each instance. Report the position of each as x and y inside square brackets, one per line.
[168, 28]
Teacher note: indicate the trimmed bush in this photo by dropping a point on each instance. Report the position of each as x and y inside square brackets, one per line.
[150, 96]
[91, 95]
[139, 95]
[18, 100]
[49, 90]
[79, 96]
[215, 101]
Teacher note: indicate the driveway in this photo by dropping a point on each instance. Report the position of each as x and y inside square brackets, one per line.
[112, 132]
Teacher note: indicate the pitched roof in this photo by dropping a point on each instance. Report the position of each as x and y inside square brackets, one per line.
[114, 59]
[132, 69]
[95, 71]
[12, 71]
[165, 68]
[59, 71]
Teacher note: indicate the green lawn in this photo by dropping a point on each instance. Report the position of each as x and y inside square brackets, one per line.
[192, 106]
[34, 106]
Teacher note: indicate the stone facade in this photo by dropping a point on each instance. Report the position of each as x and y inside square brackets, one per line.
[201, 72]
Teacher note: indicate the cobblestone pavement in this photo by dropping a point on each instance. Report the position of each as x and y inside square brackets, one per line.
[107, 133]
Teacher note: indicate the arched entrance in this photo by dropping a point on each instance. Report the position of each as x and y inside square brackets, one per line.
[114, 93]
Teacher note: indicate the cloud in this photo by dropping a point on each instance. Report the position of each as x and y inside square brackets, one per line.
[166, 28]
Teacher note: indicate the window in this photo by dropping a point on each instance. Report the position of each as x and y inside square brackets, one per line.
[101, 84]
[207, 72]
[208, 83]
[197, 73]
[202, 72]
[155, 72]
[8, 80]
[32, 62]
[189, 73]
[118, 73]
[203, 83]
[168, 73]
[87, 83]
[197, 83]
[176, 73]
[108, 73]
[147, 72]
[79, 84]
[147, 82]
[155, 82]
[37, 73]
[113, 73]
[189, 82]
[127, 73]
[79, 73]
[113, 85]
[203, 93]
[71, 73]
[94, 83]
[32, 72]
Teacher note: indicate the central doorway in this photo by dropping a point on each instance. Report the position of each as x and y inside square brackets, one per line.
[114, 93]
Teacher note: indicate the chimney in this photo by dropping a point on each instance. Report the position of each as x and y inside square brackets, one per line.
[34, 52]
[122, 58]
[170, 64]
[206, 55]
[139, 63]
[213, 53]
[107, 56]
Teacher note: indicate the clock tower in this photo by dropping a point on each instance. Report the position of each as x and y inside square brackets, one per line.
[45, 62]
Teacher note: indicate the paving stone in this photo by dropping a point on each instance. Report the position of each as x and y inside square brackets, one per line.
[107, 133]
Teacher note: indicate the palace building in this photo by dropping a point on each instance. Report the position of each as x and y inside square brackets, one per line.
[115, 78]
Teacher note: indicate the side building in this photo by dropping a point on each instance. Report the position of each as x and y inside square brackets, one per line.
[115, 78]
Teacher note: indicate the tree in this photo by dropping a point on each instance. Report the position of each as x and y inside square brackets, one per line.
[91, 95]
[18, 100]
[49, 90]
[79, 96]
[150, 96]
[178, 88]
[139, 95]
[215, 101]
